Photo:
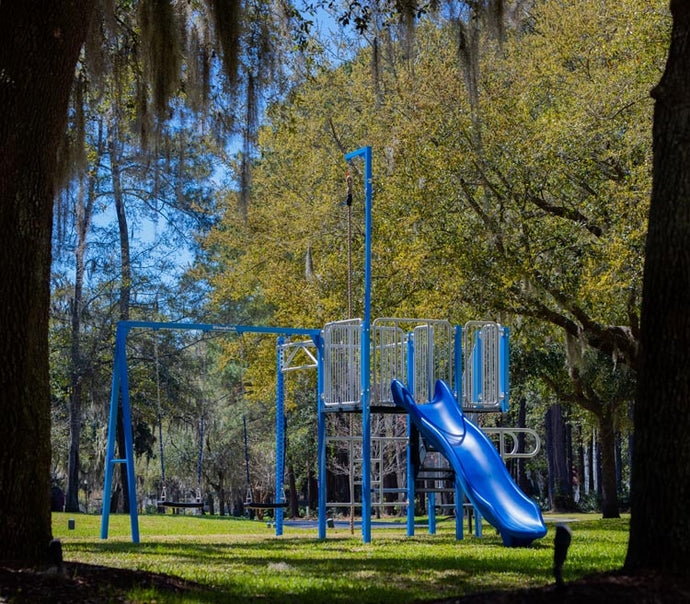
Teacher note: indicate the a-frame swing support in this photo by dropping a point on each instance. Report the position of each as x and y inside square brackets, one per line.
[119, 399]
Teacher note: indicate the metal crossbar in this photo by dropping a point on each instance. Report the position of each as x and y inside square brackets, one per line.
[290, 351]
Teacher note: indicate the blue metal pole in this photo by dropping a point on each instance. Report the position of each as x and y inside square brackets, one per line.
[457, 364]
[321, 480]
[410, 465]
[366, 347]
[431, 507]
[478, 386]
[477, 523]
[285, 331]
[129, 446]
[459, 510]
[459, 493]
[280, 434]
[112, 427]
[505, 364]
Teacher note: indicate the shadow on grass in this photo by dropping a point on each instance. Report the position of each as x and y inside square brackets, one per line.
[340, 569]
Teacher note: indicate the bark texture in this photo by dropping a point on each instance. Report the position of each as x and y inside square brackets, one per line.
[560, 492]
[660, 529]
[38, 55]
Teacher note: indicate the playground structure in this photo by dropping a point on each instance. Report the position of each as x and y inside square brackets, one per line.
[431, 364]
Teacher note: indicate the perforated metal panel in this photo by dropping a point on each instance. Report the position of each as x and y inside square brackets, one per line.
[342, 363]
[484, 366]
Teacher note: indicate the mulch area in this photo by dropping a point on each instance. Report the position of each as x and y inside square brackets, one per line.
[88, 583]
[605, 588]
[85, 583]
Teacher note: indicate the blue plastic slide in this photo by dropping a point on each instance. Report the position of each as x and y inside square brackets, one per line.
[477, 464]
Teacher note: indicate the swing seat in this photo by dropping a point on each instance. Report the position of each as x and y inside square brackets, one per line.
[268, 505]
[181, 504]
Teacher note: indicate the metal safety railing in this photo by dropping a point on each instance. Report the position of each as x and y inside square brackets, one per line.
[431, 343]
[389, 343]
[342, 375]
[484, 362]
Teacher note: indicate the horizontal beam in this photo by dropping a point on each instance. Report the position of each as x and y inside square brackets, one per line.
[283, 331]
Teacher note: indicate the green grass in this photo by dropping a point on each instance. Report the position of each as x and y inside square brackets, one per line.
[243, 560]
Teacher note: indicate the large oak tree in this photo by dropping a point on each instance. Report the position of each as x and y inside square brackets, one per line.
[660, 530]
[40, 46]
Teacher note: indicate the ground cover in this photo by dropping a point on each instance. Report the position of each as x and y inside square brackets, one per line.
[203, 559]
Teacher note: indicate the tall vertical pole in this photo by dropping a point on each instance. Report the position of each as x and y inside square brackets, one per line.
[457, 364]
[321, 461]
[505, 373]
[129, 445]
[366, 346]
[411, 469]
[280, 434]
[457, 373]
[112, 427]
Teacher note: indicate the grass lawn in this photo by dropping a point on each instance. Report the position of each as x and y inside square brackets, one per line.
[241, 560]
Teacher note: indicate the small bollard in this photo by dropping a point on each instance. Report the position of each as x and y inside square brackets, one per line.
[560, 551]
[330, 523]
[70, 524]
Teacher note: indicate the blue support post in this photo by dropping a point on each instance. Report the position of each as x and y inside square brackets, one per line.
[129, 449]
[120, 391]
[457, 364]
[410, 465]
[431, 508]
[459, 493]
[459, 510]
[366, 347]
[280, 435]
[477, 523]
[110, 448]
[321, 439]
[478, 386]
[505, 366]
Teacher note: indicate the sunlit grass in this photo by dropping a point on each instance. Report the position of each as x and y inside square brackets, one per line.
[241, 559]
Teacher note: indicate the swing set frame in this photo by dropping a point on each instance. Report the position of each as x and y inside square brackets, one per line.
[120, 403]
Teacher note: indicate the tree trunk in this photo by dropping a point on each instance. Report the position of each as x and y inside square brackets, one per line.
[659, 527]
[125, 292]
[560, 493]
[522, 478]
[85, 203]
[40, 46]
[607, 448]
[72, 495]
[292, 486]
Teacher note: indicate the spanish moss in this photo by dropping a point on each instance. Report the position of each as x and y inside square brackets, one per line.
[162, 54]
